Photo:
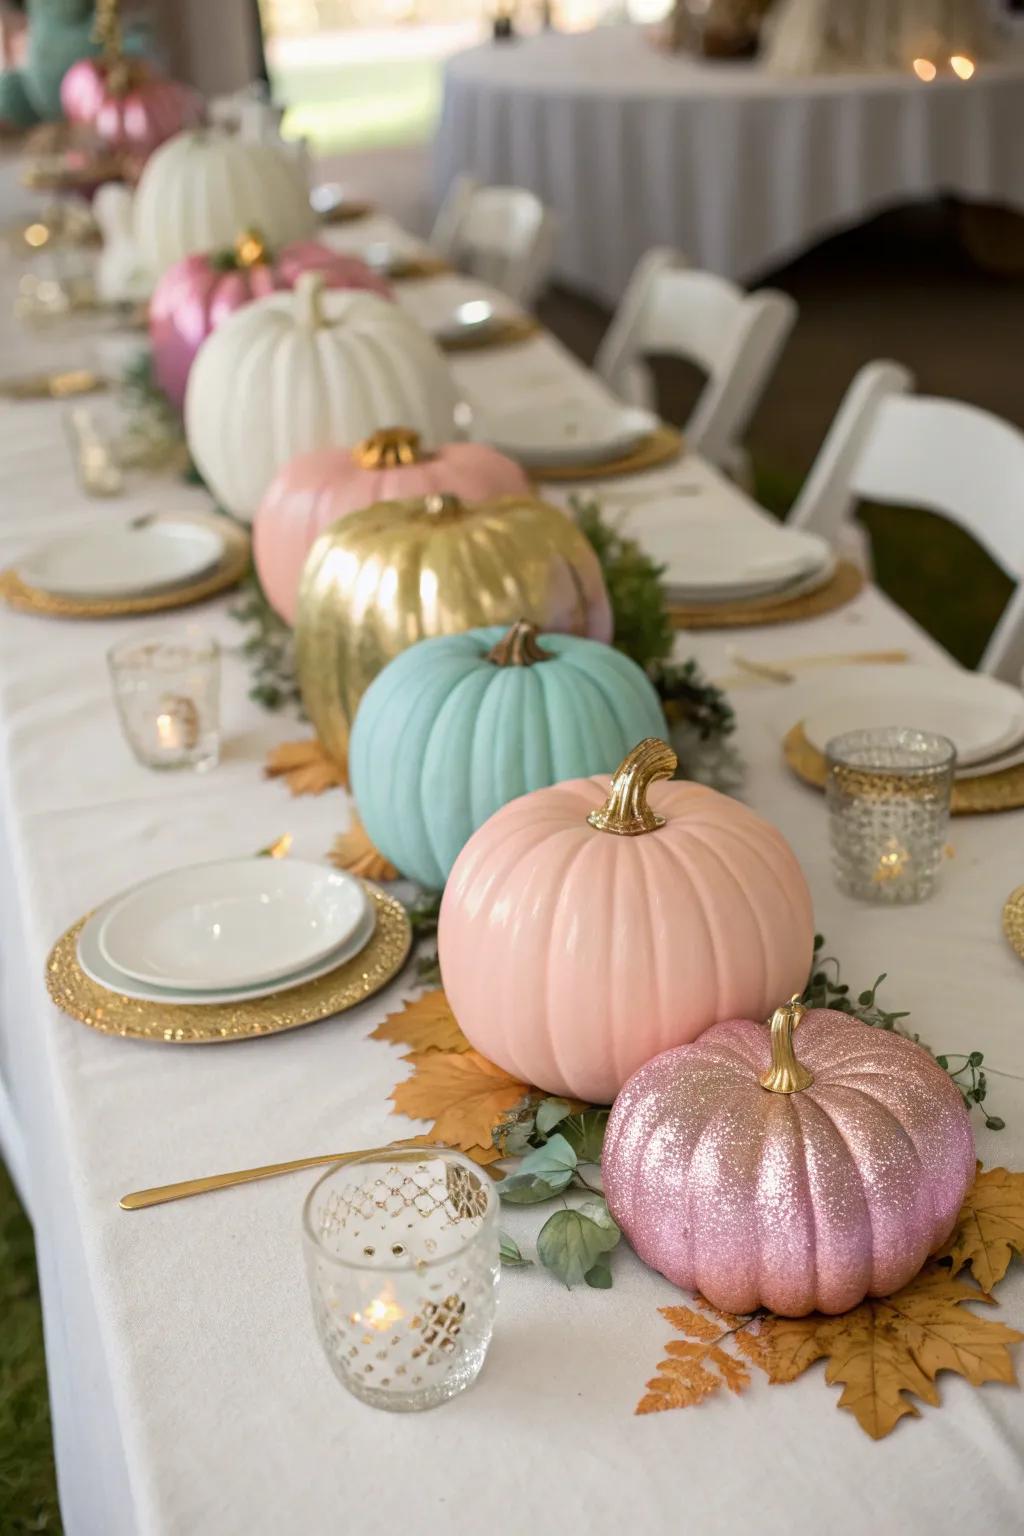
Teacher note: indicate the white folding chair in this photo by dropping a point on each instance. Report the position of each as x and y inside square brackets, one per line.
[734, 337]
[502, 235]
[905, 450]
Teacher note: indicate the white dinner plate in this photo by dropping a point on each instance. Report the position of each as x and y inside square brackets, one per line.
[978, 714]
[231, 924]
[99, 969]
[119, 560]
[711, 557]
[569, 431]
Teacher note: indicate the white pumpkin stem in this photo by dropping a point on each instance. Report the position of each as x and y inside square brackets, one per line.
[787, 1074]
[518, 647]
[309, 310]
[626, 811]
[388, 448]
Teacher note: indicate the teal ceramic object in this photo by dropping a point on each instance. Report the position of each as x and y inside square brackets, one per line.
[445, 736]
[60, 32]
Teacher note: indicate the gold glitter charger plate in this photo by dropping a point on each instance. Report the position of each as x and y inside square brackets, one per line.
[839, 590]
[1002, 791]
[347, 211]
[227, 573]
[661, 446]
[408, 268]
[210, 1023]
[503, 333]
[1013, 920]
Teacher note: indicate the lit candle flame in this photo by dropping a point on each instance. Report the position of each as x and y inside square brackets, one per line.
[961, 65]
[168, 730]
[924, 69]
[383, 1312]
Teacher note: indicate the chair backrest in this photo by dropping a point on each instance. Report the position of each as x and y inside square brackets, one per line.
[734, 337]
[502, 235]
[938, 455]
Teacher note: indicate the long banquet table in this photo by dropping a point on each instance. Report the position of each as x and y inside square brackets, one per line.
[740, 168]
[190, 1396]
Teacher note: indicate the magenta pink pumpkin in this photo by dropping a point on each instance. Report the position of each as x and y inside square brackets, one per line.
[128, 104]
[796, 1174]
[317, 488]
[197, 294]
[583, 931]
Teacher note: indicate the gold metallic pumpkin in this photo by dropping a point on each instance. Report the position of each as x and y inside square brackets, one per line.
[379, 580]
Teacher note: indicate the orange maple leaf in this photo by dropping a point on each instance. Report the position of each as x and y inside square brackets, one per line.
[990, 1227]
[463, 1093]
[305, 767]
[426, 1024]
[354, 852]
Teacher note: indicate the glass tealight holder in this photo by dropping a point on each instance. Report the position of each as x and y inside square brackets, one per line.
[402, 1257]
[888, 798]
[167, 693]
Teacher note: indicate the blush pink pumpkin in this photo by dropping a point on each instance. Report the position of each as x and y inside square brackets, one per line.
[128, 104]
[573, 950]
[317, 488]
[197, 294]
[799, 1174]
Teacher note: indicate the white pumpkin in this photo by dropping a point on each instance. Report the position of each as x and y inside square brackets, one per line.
[303, 370]
[203, 186]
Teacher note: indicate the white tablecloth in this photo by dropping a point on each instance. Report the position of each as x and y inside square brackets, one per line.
[190, 1395]
[740, 169]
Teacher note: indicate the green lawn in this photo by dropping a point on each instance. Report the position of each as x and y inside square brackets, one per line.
[369, 106]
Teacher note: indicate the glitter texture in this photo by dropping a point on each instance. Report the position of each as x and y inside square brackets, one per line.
[797, 1202]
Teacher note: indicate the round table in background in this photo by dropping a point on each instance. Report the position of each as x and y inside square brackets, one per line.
[739, 168]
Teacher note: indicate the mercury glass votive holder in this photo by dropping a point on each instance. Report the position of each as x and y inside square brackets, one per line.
[167, 693]
[888, 796]
[402, 1257]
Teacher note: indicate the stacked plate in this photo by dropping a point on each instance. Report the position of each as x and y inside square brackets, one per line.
[983, 718]
[227, 932]
[566, 432]
[125, 560]
[711, 558]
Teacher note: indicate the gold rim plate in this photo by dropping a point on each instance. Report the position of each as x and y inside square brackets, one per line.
[504, 333]
[661, 446]
[844, 586]
[216, 1023]
[989, 792]
[1013, 921]
[233, 566]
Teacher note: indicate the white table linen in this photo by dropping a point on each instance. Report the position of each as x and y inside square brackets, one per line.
[190, 1394]
[739, 168]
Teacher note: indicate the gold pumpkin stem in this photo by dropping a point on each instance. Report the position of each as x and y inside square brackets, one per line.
[787, 1074]
[388, 448]
[250, 249]
[107, 29]
[626, 811]
[518, 647]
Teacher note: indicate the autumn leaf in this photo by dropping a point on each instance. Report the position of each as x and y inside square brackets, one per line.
[888, 1351]
[305, 767]
[354, 852]
[426, 1024]
[463, 1093]
[701, 1365]
[482, 1155]
[990, 1227]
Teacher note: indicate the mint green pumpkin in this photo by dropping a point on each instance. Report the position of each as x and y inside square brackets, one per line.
[457, 726]
[60, 32]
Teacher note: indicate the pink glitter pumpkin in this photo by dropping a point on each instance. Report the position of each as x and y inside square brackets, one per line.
[578, 939]
[317, 488]
[801, 1185]
[128, 104]
[197, 294]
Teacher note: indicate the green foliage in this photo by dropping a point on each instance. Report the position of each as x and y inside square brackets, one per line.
[689, 699]
[28, 1492]
[269, 648]
[825, 989]
[543, 1173]
[511, 1254]
[574, 1244]
[643, 630]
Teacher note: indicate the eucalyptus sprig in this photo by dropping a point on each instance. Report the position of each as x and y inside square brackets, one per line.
[424, 912]
[555, 1143]
[269, 648]
[825, 989]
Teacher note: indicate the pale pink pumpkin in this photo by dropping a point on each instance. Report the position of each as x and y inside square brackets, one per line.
[796, 1173]
[195, 295]
[128, 104]
[317, 488]
[574, 950]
